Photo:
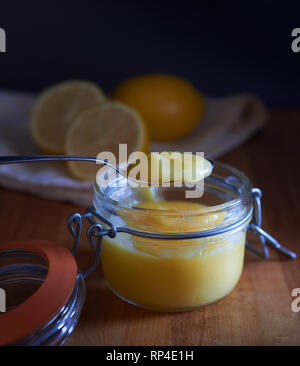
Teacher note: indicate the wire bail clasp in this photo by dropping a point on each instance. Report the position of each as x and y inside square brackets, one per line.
[265, 238]
[95, 233]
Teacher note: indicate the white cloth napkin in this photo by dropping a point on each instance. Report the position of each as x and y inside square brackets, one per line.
[227, 123]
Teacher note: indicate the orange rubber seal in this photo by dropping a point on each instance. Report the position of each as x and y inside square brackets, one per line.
[49, 298]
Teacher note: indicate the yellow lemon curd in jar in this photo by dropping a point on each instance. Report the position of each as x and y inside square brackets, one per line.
[173, 275]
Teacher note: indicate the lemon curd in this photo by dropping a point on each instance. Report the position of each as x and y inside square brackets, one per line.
[173, 275]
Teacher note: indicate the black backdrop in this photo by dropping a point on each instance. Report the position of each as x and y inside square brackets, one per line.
[221, 46]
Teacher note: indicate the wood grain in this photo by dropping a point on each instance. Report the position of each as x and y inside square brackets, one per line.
[257, 312]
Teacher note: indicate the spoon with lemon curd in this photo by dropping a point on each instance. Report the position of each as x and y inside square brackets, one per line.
[163, 168]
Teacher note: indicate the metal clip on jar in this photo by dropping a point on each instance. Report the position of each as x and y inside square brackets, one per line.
[172, 270]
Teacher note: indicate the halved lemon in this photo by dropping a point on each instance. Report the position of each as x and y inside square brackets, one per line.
[57, 108]
[103, 129]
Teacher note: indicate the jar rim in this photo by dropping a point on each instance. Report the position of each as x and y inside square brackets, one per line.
[241, 199]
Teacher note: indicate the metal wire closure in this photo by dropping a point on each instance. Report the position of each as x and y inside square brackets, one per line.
[100, 227]
[265, 238]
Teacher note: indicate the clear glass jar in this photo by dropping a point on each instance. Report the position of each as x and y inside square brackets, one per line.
[170, 274]
[22, 272]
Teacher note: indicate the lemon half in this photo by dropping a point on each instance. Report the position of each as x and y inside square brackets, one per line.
[57, 108]
[103, 129]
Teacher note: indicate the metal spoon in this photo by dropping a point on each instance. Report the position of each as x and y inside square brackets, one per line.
[14, 159]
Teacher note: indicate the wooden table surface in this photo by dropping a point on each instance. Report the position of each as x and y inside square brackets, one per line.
[257, 312]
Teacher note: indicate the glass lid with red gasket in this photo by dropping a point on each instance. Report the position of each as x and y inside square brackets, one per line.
[42, 293]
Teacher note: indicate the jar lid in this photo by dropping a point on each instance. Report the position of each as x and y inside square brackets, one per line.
[48, 299]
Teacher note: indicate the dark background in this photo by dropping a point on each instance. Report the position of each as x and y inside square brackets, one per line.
[223, 47]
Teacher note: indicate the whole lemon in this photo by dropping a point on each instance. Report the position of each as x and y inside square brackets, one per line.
[170, 106]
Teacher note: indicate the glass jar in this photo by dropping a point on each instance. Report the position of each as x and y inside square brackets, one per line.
[22, 276]
[158, 268]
